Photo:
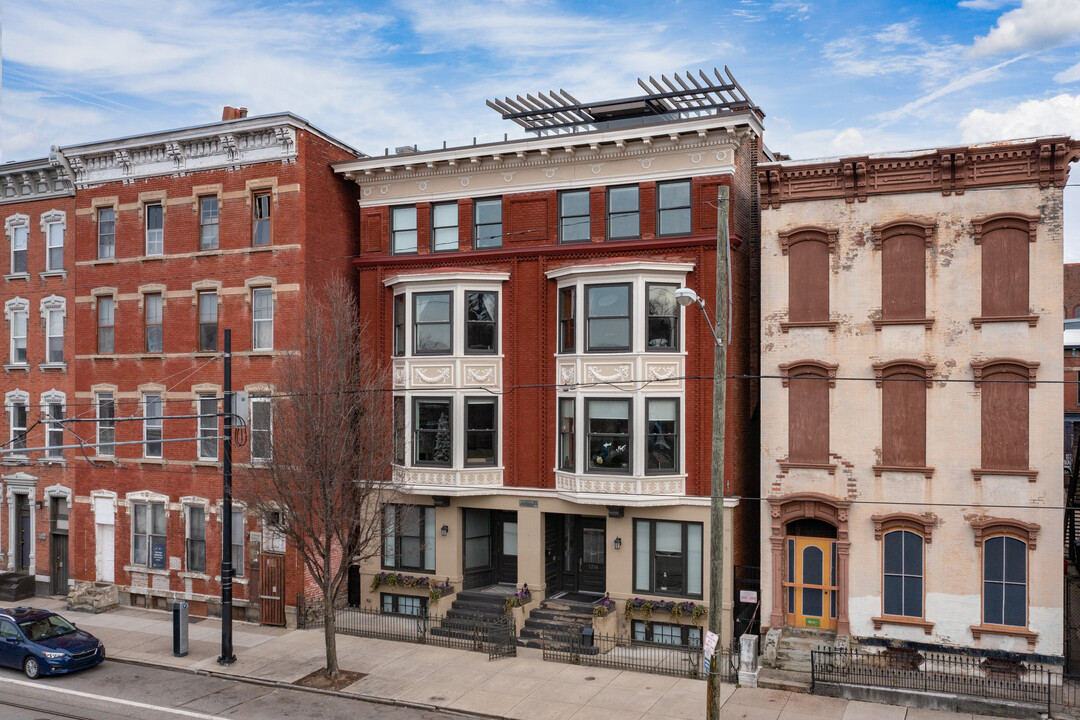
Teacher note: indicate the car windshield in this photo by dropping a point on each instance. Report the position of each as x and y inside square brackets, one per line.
[43, 628]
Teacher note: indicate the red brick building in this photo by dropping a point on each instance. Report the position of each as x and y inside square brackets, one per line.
[171, 238]
[553, 402]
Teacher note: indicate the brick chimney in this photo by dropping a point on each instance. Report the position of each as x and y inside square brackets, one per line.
[231, 113]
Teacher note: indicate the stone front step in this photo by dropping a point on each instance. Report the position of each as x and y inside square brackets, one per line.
[555, 616]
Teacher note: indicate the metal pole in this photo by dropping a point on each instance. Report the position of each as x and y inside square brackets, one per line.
[716, 508]
[227, 657]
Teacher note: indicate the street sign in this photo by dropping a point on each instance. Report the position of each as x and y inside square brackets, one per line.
[711, 641]
[748, 596]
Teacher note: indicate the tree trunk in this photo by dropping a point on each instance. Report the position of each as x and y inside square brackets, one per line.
[329, 630]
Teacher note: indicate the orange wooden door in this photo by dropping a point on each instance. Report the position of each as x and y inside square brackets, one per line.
[811, 583]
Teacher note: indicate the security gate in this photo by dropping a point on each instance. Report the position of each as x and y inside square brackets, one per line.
[272, 590]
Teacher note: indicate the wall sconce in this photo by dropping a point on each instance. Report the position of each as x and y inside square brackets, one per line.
[618, 543]
[445, 530]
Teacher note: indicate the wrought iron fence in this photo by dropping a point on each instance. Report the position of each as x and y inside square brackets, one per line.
[497, 637]
[624, 653]
[996, 678]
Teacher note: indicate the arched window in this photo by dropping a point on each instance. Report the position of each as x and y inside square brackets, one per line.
[903, 245]
[1004, 384]
[808, 250]
[1005, 581]
[902, 568]
[903, 386]
[808, 383]
[1005, 240]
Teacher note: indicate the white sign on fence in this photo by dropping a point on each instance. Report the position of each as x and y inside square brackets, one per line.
[748, 596]
[711, 641]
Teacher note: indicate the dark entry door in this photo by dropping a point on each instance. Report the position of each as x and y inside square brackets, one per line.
[505, 546]
[356, 587]
[553, 552]
[24, 538]
[490, 548]
[58, 546]
[583, 554]
[272, 590]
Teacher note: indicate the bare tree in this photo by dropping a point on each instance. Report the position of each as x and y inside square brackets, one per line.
[329, 473]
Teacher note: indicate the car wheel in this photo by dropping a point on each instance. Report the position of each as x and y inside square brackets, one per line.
[31, 668]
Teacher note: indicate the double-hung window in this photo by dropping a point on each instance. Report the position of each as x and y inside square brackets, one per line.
[195, 559]
[399, 430]
[261, 228]
[409, 538]
[208, 223]
[208, 321]
[574, 221]
[662, 439]
[55, 339]
[155, 229]
[673, 209]
[18, 336]
[208, 427]
[432, 432]
[106, 234]
[148, 535]
[902, 591]
[106, 424]
[237, 544]
[262, 308]
[480, 322]
[399, 325]
[608, 435]
[154, 333]
[624, 220]
[19, 416]
[106, 325]
[54, 258]
[481, 432]
[19, 236]
[567, 449]
[1005, 581]
[487, 223]
[261, 429]
[662, 318]
[403, 230]
[152, 426]
[432, 325]
[667, 557]
[608, 317]
[567, 327]
[444, 227]
[54, 429]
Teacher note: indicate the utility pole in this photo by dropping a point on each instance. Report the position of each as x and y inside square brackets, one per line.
[716, 507]
[227, 657]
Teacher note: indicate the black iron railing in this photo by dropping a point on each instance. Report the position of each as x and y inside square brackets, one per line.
[623, 653]
[957, 674]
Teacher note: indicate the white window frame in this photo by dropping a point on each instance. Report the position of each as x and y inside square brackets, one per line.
[49, 399]
[106, 429]
[12, 227]
[208, 426]
[152, 422]
[12, 309]
[11, 399]
[54, 312]
[189, 539]
[155, 245]
[205, 224]
[111, 246]
[103, 302]
[269, 431]
[257, 322]
[50, 221]
[150, 534]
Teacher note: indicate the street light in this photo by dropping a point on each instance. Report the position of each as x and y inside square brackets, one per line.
[685, 297]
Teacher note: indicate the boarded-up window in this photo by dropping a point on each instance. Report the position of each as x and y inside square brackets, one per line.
[1004, 386]
[1005, 240]
[903, 277]
[808, 413]
[808, 282]
[903, 414]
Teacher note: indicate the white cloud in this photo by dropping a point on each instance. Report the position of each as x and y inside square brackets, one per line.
[1035, 25]
[979, 76]
[1068, 75]
[894, 49]
[985, 4]
[1059, 115]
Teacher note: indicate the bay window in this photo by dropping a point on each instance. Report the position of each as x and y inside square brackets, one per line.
[662, 439]
[432, 432]
[608, 318]
[608, 435]
[480, 432]
[432, 326]
[480, 322]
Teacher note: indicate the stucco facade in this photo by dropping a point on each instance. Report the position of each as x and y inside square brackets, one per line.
[951, 500]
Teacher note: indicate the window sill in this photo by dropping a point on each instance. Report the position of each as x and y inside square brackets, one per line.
[52, 461]
[25, 367]
[925, 322]
[15, 460]
[146, 570]
[978, 630]
[786, 466]
[205, 353]
[148, 461]
[206, 463]
[52, 273]
[151, 356]
[928, 627]
[208, 252]
[978, 473]
[1031, 320]
[107, 459]
[103, 261]
[149, 258]
[830, 324]
[927, 471]
[100, 356]
[193, 576]
[61, 367]
[17, 276]
[263, 352]
[263, 248]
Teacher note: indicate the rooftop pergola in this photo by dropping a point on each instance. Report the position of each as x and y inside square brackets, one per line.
[683, 96]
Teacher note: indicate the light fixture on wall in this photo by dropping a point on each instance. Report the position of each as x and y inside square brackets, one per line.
[445, 530]
[618, 543]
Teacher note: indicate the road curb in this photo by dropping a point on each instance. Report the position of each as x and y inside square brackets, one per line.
[333, 693]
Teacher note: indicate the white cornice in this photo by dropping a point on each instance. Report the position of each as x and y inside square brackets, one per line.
[33, 180]
[442, 277]
[635, 267]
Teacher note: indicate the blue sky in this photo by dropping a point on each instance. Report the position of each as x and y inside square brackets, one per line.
[832, 77]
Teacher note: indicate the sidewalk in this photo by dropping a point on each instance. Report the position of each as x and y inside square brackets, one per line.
[523, 688]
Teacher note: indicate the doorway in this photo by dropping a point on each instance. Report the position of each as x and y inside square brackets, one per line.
[104, 538]
[24, 533]
[575, 554]
[58, 545]
[272, 590]
[810, 587]
[491, 548]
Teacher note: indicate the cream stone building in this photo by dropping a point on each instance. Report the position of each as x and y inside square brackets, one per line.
[910, 450]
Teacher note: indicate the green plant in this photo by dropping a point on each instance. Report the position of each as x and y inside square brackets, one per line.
[628, 611]
[434, 594]
[699, 613]
[675, 611]
[646, 612]
[392, 580]
[375, 582]
[599, 611]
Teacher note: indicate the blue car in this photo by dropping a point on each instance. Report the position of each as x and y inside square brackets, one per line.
[40, 642]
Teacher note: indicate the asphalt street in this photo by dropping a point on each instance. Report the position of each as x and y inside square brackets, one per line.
[114, 691]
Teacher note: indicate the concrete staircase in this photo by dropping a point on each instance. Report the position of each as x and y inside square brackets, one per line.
[793, 650]
[469, 606]
[560, 616]
[16, 586]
